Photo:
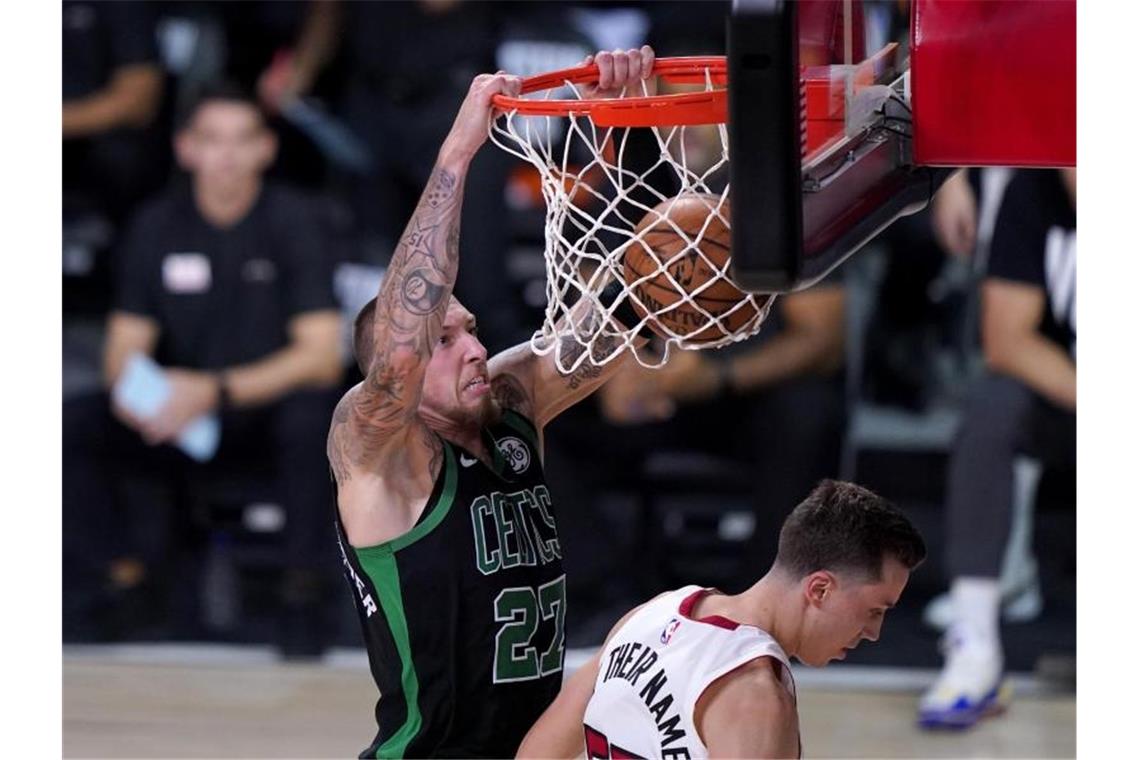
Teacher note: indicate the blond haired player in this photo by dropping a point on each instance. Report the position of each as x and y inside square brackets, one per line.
[448, 532]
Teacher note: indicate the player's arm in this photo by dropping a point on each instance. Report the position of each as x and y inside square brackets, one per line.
[378, 415]
[536, 387]
[1011, 314]
[558, 731]
[748, 713]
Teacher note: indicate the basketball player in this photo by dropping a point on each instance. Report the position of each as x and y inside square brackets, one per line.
[696, 673]
[447, 530]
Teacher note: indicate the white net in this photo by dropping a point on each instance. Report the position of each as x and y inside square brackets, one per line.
[646, 208]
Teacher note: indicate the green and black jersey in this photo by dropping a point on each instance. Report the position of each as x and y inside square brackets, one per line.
[463, 615]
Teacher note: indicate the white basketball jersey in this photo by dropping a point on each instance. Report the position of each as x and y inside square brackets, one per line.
[655, 668]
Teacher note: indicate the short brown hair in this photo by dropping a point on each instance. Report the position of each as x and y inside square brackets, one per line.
[363, 335]
[844, 527]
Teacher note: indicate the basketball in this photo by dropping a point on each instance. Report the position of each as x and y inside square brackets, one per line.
[656, 250]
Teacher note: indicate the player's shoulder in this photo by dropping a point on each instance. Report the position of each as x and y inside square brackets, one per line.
[358, 406]
[384, 477]
[647, 607]
[753, 688]
[353, 431]
[341, 413]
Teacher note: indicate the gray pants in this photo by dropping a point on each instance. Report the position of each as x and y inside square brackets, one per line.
[1003, 419]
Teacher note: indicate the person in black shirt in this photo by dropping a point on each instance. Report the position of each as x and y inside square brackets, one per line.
[225, 283]
[1025, 403]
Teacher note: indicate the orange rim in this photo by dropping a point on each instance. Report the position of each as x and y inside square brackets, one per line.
[656, 111]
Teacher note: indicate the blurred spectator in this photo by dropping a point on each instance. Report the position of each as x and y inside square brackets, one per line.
[112, 91]
[259, 37]
[1025, 404]
[908, 324]
[401, 101]
[224, 281]
[954, 216]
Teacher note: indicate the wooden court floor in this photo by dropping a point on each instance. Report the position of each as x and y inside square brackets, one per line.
[248, 706]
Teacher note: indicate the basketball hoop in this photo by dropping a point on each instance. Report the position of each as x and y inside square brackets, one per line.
[599, 207]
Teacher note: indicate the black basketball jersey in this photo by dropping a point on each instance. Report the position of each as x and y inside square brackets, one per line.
[463, 615]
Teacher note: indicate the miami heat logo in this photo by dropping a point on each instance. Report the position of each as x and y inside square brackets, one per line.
[515, 452]
[669, 630]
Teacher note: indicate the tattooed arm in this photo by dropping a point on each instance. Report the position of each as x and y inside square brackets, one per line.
[534, 386]
[377, 421]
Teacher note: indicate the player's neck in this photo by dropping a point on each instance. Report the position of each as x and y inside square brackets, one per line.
[465, 431]
[466, 435]
[768, 605]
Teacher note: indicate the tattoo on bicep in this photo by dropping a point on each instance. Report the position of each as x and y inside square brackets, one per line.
[386, 406]
[337, 460]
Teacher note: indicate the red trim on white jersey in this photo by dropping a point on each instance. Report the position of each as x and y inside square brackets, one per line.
[690, 602]
[655, 667]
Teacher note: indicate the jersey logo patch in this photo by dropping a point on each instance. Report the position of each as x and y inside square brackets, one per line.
[466, 461]
[669, 630]
[515, 452]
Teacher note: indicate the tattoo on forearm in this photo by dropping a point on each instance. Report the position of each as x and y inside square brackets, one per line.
[572, 347]
[420, 295]
[409, 316]
[413, 302]
[442, 190]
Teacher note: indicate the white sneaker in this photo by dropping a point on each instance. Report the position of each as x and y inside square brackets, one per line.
[970, 685]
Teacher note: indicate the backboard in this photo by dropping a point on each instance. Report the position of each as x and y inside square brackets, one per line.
[819, 136]
[823, 132]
